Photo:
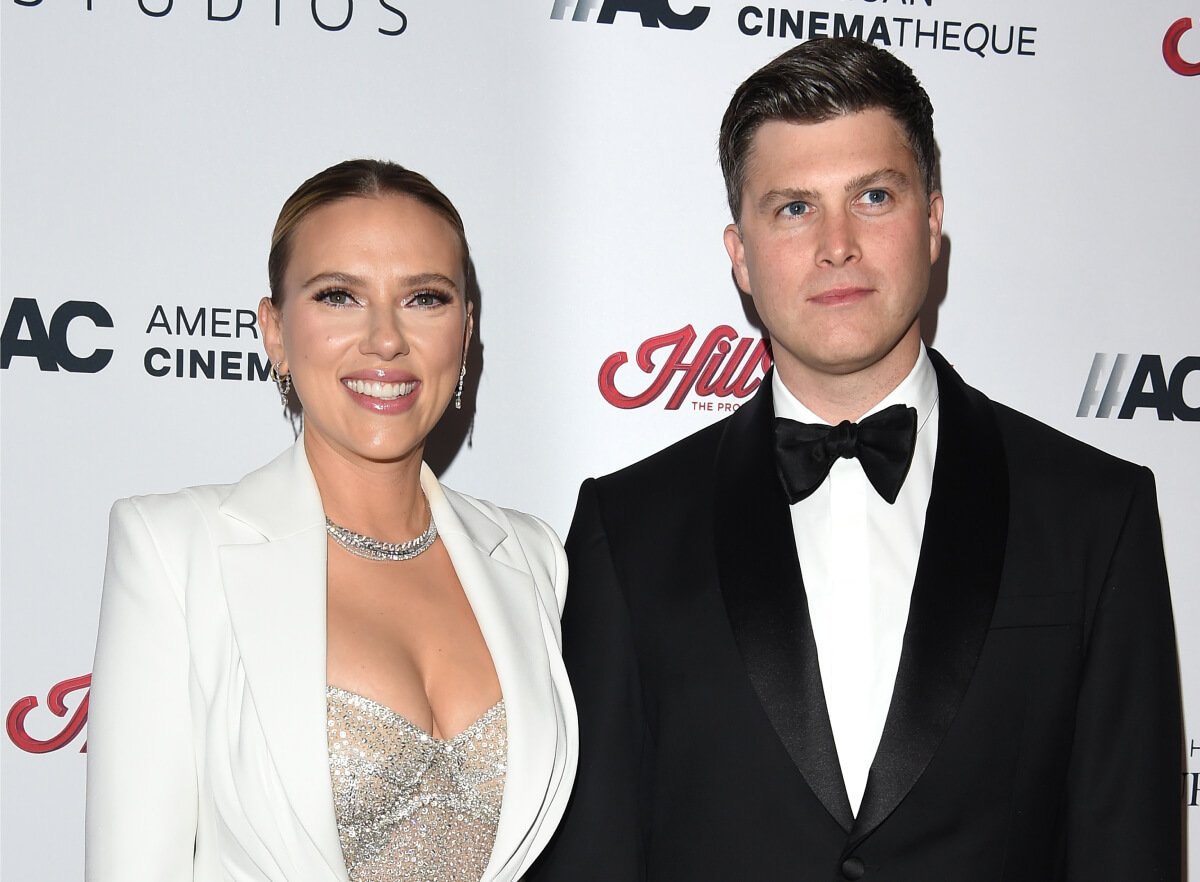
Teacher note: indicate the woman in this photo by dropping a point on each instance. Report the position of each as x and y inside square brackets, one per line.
[336, 669]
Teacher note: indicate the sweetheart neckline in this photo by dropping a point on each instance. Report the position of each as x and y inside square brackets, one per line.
[486, 717]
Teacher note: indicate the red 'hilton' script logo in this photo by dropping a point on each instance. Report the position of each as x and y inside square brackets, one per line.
[724, 365]
[57, 705]
[1171, 53]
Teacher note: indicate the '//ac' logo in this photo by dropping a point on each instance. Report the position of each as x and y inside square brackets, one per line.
[652, 12]
[49, 345]
[1148, 386]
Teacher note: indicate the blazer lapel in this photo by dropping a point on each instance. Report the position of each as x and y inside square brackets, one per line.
[276, 593]
[954, 593]
[764, 598]
[517, 630]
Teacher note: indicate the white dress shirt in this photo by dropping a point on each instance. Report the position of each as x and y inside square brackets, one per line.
[858, 557]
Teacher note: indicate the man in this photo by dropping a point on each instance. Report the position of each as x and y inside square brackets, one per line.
[798, 653]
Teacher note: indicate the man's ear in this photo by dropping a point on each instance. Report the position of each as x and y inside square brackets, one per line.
[737, 257]
[936, 207]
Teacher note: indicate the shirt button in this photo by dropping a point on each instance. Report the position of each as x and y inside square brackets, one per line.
[853, 868]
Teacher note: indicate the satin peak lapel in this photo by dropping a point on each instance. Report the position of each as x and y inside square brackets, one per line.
[765, 600]
[276, 593]
[954, 593]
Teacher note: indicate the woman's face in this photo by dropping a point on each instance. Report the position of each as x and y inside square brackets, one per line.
[373, 324]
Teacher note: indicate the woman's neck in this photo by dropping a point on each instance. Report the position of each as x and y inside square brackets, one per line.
[381, 499]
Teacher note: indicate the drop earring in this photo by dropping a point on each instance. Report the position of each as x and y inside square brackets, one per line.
[462, 376]
[283, 382]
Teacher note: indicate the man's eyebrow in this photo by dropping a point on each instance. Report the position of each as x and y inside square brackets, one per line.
[897, 179]
[785, 194]
[894, 177]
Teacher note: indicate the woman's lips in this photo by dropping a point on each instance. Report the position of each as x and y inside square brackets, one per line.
[383, 396]
[381, 390]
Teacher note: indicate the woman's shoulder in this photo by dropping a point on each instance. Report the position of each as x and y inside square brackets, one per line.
[520, 540]
[180, 505]
[197, 507]
[171, 519]
[274, 478]
[528, 529]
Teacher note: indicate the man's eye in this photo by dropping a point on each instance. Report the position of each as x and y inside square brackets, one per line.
[795, 209]
[875, 197]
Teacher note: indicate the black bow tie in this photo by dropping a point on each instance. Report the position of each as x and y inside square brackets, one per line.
[883, 443]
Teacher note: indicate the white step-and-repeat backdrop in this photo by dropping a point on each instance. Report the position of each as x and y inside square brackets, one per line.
[148, 144]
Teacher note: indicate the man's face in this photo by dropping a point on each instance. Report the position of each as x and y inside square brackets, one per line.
[835, 245]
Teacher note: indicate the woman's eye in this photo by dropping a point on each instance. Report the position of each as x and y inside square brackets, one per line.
[335, 297]
[428, 299]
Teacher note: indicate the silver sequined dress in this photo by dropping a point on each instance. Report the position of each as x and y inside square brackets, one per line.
[411, 807]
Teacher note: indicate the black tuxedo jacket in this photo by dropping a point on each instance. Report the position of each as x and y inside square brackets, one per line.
[1034, 731]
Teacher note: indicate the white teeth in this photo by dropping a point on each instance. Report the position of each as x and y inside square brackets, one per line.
[376, 389]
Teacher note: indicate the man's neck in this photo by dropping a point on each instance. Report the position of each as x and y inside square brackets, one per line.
[838, 397]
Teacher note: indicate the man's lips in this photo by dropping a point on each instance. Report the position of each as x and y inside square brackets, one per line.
[840, 296]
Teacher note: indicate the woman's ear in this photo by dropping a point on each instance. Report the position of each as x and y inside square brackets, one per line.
[272, 333]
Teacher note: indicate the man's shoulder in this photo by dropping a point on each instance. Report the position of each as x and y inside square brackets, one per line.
[1033, 447]
[677, 462]
[1047, 459]
[1031, 443]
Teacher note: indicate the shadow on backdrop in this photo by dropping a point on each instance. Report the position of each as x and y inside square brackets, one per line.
[939, 284]
[939, 276]
[455, 427]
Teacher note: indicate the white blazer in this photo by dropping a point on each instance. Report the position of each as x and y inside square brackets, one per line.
[207, 750]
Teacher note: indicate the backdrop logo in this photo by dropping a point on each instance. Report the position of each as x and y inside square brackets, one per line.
[56, 703]
[196, 363]
[1148, 387]
[328, 15]
[26, 335]
[1191, 780]
[652, 12]
[1171, 53]
[724, 365]
[981, 38]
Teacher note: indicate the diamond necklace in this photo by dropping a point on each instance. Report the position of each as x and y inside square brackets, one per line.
[376, 549]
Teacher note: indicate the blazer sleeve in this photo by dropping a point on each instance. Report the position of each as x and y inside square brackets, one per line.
[141, 775]
[601, 836]
[1124, 812]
